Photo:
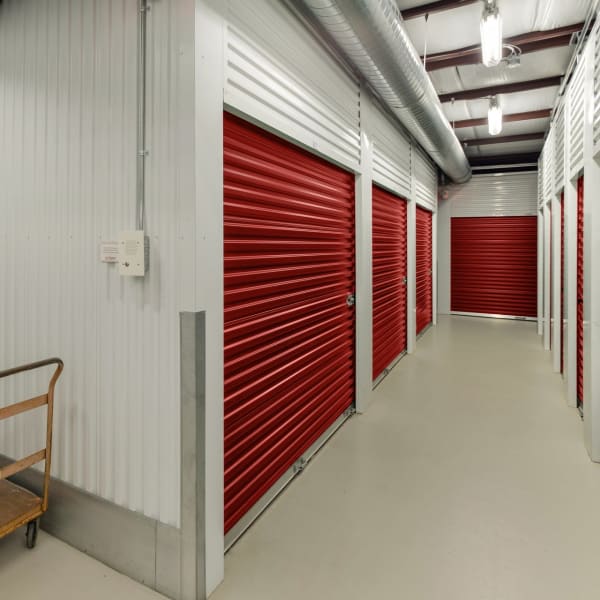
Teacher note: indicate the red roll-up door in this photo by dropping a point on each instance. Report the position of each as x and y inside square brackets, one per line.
[580, 292]
[494, 265]
[424, 270]
[289, 332]
[562, 282]
[389, 279]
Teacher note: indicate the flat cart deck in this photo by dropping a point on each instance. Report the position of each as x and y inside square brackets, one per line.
[19, 506]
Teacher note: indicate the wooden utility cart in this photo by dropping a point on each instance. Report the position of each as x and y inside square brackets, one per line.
[19, 506]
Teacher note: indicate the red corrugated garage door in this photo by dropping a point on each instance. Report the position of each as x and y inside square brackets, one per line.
[289, 332]
[494, 265]
[580, 292]
[389, 279]
[424, 272]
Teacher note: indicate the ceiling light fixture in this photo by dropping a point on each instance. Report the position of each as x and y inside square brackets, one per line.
[513, 59]
[494, 116]
[491, 33]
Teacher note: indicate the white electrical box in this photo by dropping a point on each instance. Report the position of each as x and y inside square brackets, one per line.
[134, 253]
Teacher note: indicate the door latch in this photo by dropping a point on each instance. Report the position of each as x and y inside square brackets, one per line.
[351, 300]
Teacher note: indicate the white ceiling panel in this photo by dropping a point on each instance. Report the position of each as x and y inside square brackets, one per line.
[511, 103]
[510, 148]
[514, 128]
[537, 65]
[457, 28]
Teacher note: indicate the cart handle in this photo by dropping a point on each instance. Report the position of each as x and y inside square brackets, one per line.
[34, 365]
[14, 409]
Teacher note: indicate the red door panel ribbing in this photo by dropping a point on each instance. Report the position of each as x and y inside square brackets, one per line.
[389, 273]
[424, 269]
[494, 265]
[580, 292]
[289, 334]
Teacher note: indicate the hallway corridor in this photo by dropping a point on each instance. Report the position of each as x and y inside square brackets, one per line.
[466, 480]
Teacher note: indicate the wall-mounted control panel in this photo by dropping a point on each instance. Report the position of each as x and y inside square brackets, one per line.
[134, 253]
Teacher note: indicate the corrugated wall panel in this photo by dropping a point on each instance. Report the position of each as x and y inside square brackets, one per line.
[67, 166]
[596, 126]
[559, 150]
[540, 180]
[391, 154]
[494, 265]
[289, 333]
[389, 279]
[549, 156]
[424, 269]
[425, 174]
[499, 194]
[577, 117]
[277, 73]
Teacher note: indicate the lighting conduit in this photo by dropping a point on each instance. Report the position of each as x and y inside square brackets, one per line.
[372, 37]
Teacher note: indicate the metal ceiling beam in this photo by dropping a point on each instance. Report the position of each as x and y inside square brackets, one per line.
[433, 7]
[504, 139]
[524, 116]
[527, 42]
[505, 159]
[507, 88]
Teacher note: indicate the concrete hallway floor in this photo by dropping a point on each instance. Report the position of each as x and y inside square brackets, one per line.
[466, 480]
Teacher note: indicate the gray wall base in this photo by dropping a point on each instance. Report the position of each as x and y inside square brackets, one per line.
[137, 546]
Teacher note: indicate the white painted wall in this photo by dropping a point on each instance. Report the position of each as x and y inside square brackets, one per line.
[67, 167]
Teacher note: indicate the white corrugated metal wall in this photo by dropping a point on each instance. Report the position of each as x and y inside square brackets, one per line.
[67, 166]
[391, 154]
[494, 195]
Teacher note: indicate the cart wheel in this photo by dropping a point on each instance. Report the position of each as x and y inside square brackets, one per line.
[31, 534]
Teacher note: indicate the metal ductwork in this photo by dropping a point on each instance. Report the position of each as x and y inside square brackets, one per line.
[371, 36]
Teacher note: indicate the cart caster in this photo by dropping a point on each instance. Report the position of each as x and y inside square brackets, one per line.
[31, 534]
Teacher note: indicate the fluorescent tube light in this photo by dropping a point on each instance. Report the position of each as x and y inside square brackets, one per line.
[491, 34]
[494, 117]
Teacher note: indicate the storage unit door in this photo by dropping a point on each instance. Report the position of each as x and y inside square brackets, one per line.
[389, 279]
[580, 292]
[424, 271]
[494, 265]
[289, 330]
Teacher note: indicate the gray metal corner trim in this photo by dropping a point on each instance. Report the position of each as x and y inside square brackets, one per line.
[124, 540]
[192, 360]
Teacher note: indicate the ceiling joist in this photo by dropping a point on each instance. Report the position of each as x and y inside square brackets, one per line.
[504, 139]
[433, 7]
[506, 88]
[527, 42]
[524, 116]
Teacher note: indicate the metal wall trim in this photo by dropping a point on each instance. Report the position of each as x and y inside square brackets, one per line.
[424, 331]
[129, 542]
[193, 454]
[491, 316]
[388, 369]
[234, 534]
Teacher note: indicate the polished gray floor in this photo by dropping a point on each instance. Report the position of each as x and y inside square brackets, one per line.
[466, 480]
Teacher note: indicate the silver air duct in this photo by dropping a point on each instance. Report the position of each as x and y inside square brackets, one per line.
[371, 35]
